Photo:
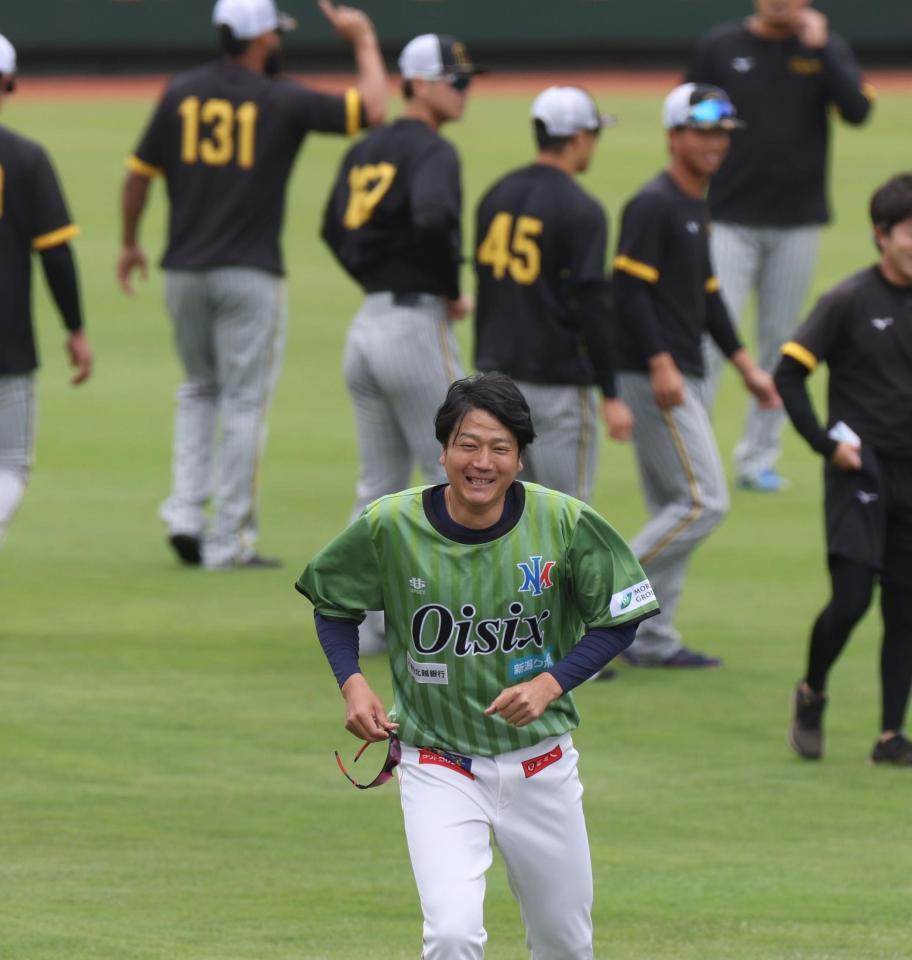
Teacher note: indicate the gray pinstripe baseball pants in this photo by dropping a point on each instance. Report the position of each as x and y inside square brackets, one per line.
[778, 263]
[229, 329]
[686, 493]
[398, 363]
[18, 408]
[565, 453]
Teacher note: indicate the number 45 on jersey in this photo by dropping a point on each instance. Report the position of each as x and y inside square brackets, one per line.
[510, 247]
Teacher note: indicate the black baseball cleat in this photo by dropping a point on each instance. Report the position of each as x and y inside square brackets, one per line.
[187, 547]
[806, 731]
[896, 751]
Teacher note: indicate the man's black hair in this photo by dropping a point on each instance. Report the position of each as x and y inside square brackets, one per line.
[892, 202]
[547, 143]
[493, 392]
[229, 43]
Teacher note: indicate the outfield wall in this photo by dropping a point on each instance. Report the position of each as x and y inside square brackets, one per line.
[117, 29]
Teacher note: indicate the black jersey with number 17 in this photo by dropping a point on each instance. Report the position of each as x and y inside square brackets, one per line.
[225, 138]
[393, 216]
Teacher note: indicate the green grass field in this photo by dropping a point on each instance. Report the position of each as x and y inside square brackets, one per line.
[167, 785]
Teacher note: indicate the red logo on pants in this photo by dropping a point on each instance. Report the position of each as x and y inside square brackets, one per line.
[536, 764]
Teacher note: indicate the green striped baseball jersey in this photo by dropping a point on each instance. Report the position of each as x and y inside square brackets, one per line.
[464, 621]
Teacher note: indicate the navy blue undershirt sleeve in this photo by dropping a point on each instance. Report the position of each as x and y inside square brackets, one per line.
[339, 640]
[593, 652]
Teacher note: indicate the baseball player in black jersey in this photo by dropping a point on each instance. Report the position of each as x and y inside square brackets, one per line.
[544, 309]
[784, 70]
[33, 218]
[224, 136]
[862, 330]
[393, 222]
[668, 297]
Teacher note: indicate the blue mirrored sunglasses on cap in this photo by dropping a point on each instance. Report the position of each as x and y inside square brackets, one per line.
[712, 112]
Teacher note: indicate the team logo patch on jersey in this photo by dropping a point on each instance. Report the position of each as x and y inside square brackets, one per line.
[528, 666]
[743, 64]
[536, 575]
[865, 497]
[881, 323]
[428, 672]
[636, 596]
[536, 764]
[692, 226]
[444, 758]
[417, 585]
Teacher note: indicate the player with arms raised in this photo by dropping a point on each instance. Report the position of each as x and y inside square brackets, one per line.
[488, 585]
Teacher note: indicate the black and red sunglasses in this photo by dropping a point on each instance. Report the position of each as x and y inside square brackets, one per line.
[393, 756]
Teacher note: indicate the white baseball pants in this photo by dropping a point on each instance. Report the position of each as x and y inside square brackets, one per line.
[17, 438]
[531, 801]
[777, 262]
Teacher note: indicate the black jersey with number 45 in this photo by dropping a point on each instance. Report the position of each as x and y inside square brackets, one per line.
[225, 138]
[393, 217]
[544, 311]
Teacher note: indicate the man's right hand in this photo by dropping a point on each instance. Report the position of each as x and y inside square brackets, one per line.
[846, 456]
[364, 713]
[131, 258]
[666, 380]
[350, 24]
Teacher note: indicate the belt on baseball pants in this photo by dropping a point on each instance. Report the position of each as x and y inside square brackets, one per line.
[413, 299]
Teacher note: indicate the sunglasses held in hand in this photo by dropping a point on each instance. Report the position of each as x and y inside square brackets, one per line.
[393, 756]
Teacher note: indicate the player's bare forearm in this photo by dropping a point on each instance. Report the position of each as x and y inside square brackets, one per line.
[365, 716]
[131, 257]
[356, 28]
[525, 702]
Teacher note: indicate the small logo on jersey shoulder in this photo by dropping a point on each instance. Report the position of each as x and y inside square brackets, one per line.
[536, 575]
[692, 226]
[866, 497]
[743, 64]
[881, 323]
[417, 585]
[536, 764]
[638, 595]
[528, 666]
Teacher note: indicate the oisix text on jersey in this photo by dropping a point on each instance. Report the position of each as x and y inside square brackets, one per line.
[434, 626]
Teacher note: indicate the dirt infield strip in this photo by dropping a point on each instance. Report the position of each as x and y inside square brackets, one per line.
[131, 87]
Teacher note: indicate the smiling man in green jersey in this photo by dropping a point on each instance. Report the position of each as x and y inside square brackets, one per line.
[500, 597]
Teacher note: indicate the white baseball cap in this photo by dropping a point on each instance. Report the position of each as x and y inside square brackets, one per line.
[565, 110]
[435, 55]
[7, 57]
[251, 18]
[700, 106]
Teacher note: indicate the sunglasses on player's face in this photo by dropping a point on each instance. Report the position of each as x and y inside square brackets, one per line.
[458, 81]
[393, 756]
